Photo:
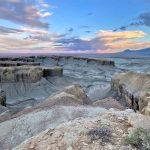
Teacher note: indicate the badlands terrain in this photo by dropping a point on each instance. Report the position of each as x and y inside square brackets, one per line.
[74, 103]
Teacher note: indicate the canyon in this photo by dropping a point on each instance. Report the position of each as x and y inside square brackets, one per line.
[53, 102]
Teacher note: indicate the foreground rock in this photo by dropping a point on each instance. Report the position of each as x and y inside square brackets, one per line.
[20, 73]
[139, 121]
[135, 89]
[105, 131]
[18, 129]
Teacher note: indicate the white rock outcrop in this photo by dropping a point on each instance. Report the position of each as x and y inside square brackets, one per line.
[135, 89]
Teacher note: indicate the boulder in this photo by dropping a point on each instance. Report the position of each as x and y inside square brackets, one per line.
[64, 99]
[52, 71]
[71, 95]
[139, 121]
[19, 129]
[135, 89]
[78, 92]
[2, 98]
[20, 73]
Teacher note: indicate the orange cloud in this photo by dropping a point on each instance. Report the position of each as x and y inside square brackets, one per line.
[110, 36]
[117, 41]
[129, 45]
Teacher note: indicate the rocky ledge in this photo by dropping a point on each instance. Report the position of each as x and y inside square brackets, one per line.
[20, 73]
[27, 73]
[17, 63]
[58, 59]
[135, 89]
[52, 71]
[75, 58]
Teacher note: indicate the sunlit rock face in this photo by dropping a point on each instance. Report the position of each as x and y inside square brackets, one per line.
[20, 73]
[135, 89]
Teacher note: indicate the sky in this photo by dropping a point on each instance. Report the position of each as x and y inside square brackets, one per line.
[74, 26]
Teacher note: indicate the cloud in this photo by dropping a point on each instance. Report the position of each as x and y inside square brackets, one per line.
[23, 12]
[104, 40]
[129, 45]
[70, 30]
[85, 26]
[90, 14]
[36, 40]
[111, 36]
[77, 44]
[6, 30]
[142, 20]
[88, 31]
[46, 14]
[116, 41]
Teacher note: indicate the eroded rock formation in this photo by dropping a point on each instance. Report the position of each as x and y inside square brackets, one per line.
[52, 71]
[135, 89]
[17, 63]
[48, 113]
[2, 98]
[20, 73]
[59, 59]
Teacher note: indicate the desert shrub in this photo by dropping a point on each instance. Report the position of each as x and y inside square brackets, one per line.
[140, 139]
[100, 133]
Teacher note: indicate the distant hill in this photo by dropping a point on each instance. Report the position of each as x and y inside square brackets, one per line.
[142, 53]
[137, 52]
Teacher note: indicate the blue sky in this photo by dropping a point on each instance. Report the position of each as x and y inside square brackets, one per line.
[78, 26]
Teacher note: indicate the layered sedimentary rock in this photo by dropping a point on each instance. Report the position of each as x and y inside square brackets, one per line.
[57, 59]
[17, 63]
[20, 73]
[66, 59]
[135, 89]
[22, 59]
[52, 71]
[2, 98]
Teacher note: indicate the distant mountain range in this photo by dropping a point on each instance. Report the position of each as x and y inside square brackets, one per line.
[136, 52]
[142, 53]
